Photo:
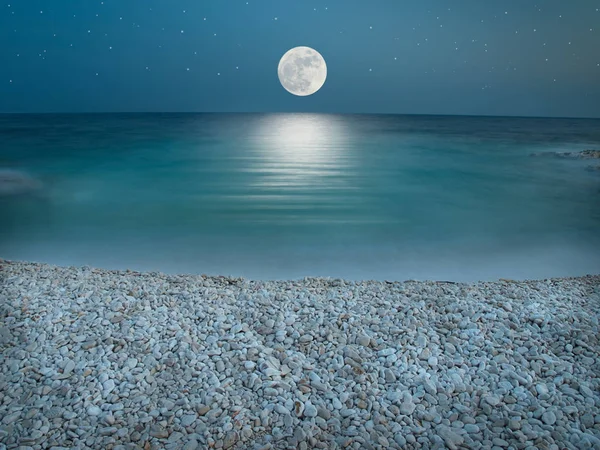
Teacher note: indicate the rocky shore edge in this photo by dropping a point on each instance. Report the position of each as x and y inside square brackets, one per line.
[585, 154]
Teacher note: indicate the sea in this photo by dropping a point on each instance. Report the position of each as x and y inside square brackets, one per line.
[287, 196]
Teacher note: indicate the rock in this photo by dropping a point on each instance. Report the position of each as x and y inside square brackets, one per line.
[585, 154]
[585, 391]
[593, 441]
[549, 418]
[363, 340]
[175, 436]
[5, 335]
[69, 366]
[202, 410]
[514, 424]
[421, 341]
[500, 442]
[299, 434]
[107, 431]
[14, 183]
[399, 439]
[453, 440]
[324, 413]
[407, 407]
[159, 432]
[131, 363]
[108, 386]
[587, 420]
[188, 420]
[541, 389]
[345, 412]
[191, 444]
[109, 419]
[310, 410]
[10, 418]
[386, 352]
[349, 352]
[471, 428]
[230, 439]
[389, 376]
[94, 410]
[492, 400]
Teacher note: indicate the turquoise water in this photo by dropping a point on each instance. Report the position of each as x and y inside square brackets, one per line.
[291, 195]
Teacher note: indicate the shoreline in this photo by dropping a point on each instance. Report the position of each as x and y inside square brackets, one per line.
[230, 278]
[95, 358]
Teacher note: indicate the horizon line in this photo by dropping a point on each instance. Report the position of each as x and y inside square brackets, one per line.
[293, 112]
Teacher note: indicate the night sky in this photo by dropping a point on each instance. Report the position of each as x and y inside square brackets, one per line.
[475, 57]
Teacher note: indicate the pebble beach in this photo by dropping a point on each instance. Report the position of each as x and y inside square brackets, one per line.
[103, 359]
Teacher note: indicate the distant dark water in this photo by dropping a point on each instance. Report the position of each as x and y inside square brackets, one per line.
[292, 195]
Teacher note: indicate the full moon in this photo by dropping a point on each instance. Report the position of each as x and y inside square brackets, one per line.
[302, 71]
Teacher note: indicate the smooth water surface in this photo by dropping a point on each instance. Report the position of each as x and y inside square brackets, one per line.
[292, 195]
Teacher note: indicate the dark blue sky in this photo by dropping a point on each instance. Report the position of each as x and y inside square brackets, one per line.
[501, 57]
